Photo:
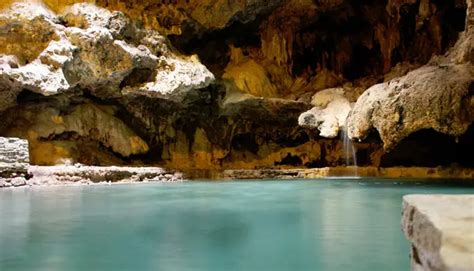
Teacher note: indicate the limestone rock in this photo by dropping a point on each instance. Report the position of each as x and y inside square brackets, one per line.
[26, 32]
[441, 231]
[329, 113]
[87, 120]
[92, 48]
[87, 16]
[80, 174]
[18, 181]
[114, 63]
[201, 16]
[176, 78]
[14, 156]
[436, 96]
[250, 77]
[13, 150]
[431, 97]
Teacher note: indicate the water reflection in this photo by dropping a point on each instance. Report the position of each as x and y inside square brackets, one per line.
[333, 225]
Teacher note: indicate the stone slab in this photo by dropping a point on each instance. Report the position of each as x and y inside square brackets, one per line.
[441, 231]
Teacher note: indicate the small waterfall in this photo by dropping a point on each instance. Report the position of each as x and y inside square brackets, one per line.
[349, 150]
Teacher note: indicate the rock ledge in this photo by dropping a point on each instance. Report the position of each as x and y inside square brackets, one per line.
[441, 231]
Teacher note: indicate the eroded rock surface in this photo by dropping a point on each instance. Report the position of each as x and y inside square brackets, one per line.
[14, 157]
[91, 49]
[85, 47]
[130, 82]
[441, 231]
[329, 113]
[436, 96]
[80, 174]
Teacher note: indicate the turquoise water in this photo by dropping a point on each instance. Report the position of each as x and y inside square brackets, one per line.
[272, 225]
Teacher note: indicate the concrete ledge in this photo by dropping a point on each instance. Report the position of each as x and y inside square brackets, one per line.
[441, 231]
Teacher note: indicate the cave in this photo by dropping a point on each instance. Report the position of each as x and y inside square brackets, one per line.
[236, 135]
[429, 148]
[184, 88]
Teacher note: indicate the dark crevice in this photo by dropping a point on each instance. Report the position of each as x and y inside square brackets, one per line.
[213, 47]
[290, 160]
[245, 142]
[27, 96]
[138, 77]
[415, 255]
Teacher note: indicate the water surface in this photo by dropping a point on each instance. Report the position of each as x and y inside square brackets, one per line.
[272, 225]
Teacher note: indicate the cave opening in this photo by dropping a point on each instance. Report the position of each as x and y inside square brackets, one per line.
[212, 47]
[245, 142]
[429, 148]
[290, 160]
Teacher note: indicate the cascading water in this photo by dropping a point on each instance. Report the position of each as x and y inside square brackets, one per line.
[349, 150]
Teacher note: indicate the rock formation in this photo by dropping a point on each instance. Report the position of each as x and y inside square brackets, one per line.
[84, 50]
[14, 161]
[438, 96]
[14, 157]
[223, 84]
[329, 113]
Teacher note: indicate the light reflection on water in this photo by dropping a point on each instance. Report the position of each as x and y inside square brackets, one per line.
[273, 225]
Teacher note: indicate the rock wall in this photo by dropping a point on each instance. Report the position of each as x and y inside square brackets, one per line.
[235, 84]
[438, 96]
